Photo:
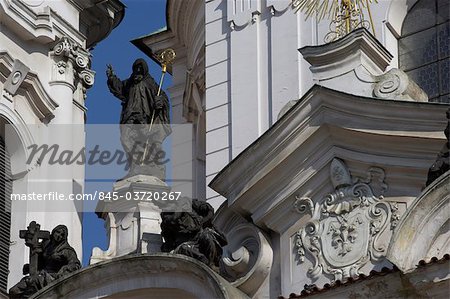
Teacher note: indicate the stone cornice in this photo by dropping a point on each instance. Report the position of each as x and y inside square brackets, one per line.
[75, 4]
[294, 154]
[177, 35]
[39, 99]
[43, 26]
[101, 18]
[158, 41]
[360, 39]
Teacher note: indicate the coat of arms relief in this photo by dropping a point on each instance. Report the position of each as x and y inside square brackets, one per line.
[348, 227]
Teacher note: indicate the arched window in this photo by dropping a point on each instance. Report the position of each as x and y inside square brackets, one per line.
[5, 213]
[424, 47]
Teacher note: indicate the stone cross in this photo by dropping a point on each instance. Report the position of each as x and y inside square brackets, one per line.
[34, 238]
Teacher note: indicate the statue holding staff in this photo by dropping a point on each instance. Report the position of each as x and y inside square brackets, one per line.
[144, 120]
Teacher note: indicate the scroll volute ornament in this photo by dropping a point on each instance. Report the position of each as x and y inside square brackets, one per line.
[247, 259]
[66, 51]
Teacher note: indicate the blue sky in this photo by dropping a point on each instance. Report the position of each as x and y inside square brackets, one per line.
[141, 18]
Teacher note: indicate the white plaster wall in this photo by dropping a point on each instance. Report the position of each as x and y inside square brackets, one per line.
[253, 68]
[35, 55]
[217, 104]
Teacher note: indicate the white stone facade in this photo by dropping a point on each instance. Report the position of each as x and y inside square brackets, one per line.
[284, 114]
[251, 65]
[318, 154]
[44, 74]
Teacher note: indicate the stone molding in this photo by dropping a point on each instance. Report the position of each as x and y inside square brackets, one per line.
[171, 275]
[322, 125]
[361, 60]
[46, 25]
[31, 87]
[396, 15]
[43, 26]
[180, 34]
[344, 232]
[344, 54]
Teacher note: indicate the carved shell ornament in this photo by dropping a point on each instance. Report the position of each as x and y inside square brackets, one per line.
[343, 234]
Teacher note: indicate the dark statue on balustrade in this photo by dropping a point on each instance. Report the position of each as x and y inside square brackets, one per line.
[144, 120]
[193, 234]
[51, 257]
[442, 164]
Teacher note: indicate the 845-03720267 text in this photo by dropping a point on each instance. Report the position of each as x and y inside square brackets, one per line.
[142, 195]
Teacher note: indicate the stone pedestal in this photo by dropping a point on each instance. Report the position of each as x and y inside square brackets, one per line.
[132, 221]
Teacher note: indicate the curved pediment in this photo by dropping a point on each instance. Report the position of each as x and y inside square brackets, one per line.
[422, 233]
[143, 276]
[31, 88]
[293, 156]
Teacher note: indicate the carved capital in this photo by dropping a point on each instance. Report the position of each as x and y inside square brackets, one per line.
[72, 64]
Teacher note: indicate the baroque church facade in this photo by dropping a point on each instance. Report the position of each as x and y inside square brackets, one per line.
[44, 74]
[314, 152]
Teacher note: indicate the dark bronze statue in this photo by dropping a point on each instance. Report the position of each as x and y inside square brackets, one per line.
[193, 234]
[144, 120]
[51, 257]
[442, 164]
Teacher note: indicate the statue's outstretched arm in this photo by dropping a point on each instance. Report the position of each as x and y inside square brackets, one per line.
[115, 85]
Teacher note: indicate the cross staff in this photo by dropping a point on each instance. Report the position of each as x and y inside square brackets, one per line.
[166, 58]
[34, 238]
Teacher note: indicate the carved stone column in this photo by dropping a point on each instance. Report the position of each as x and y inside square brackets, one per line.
[70, 74]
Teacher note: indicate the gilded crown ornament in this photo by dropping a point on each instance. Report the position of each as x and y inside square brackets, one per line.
[345, 15]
